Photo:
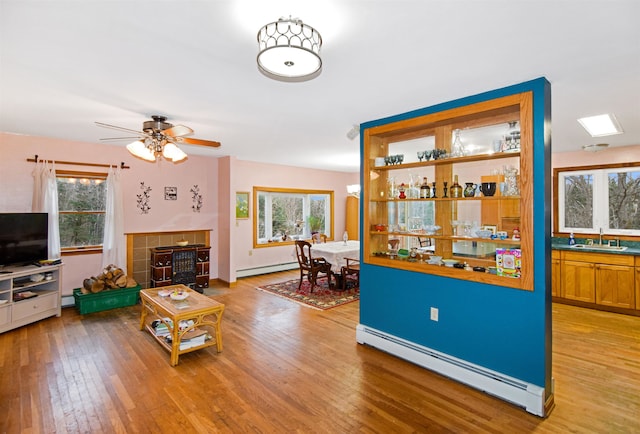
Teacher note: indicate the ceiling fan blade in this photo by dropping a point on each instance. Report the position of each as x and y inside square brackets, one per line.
[200, 142]
[114, 127]
[178, 131]
[123, 138]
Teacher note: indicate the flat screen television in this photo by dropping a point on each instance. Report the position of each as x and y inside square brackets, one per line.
[24, 238]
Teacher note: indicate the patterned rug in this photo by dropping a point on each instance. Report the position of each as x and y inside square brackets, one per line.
[321, 298]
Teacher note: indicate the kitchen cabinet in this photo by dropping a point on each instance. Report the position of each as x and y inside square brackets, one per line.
[578, 281]
[556, 273]
[398, 218]
[638, 282]
[605, 280]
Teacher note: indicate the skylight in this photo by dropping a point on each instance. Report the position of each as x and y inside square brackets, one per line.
[601, 125]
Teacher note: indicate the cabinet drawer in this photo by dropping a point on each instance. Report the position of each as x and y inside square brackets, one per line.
[598, 258]
[33, 306]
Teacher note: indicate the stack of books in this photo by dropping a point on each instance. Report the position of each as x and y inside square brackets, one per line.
[190, 339]
[164, 327]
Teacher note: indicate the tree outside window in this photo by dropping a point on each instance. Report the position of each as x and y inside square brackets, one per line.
[81, 205]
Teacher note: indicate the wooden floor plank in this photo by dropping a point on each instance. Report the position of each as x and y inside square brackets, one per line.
[288, 368]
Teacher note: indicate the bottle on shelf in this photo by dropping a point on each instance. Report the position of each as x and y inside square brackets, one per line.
[424, 189]
[456, 189]
[572, 240]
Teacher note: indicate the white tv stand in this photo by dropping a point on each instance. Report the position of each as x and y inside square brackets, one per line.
[45, 300]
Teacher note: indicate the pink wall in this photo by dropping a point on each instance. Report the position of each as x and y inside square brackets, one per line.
[618, 154]
[16, 186]
[217, 178]
[246, 174]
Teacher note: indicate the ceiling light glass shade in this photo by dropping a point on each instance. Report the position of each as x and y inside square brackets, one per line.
[289, 50]
[140, 150]
[601, 125]
[173, 153]
[596, 147]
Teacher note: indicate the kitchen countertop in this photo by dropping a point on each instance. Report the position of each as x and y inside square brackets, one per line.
[633, 247]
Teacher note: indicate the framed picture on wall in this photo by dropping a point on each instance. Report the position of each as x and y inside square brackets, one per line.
[171, 193]
[242, 205]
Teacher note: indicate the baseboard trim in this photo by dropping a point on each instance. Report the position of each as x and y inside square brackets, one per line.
[266, 269]
[529, 396]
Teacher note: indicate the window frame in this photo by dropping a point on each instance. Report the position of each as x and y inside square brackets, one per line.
[74, 250]
[294, 192]
[600, 192]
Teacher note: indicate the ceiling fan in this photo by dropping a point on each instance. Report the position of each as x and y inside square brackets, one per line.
[159, 138]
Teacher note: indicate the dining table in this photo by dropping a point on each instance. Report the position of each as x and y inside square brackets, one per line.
[336, 252]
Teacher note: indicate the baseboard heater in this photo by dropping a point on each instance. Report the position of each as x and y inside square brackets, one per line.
[266, 269]
[526, 395]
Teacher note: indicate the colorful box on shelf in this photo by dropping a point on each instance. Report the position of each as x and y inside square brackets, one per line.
[105, 300]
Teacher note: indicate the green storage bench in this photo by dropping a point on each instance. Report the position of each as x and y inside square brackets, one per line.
[105, 300]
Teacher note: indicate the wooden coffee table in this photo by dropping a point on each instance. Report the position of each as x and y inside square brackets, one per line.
[199, 315]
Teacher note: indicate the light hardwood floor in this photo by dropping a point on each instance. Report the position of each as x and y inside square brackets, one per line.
[287, 368]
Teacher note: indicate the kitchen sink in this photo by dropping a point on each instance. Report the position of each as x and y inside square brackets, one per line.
[603, 247]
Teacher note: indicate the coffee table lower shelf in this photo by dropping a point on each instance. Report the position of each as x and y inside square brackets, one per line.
[202, 313]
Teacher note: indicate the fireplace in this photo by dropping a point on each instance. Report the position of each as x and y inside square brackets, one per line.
[140, 245]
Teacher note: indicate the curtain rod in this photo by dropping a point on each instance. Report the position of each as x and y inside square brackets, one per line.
[122, 166]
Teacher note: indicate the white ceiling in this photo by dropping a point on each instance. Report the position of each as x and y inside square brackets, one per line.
[66, 64]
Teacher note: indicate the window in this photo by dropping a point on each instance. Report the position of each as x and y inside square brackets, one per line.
[605, 197]
[286, 215]
[81, 205]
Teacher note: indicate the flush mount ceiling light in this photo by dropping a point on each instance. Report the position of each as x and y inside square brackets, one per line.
[595, 147]
[601, 125]
[289, 50]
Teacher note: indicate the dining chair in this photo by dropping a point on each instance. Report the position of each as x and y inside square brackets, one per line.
[424, 242]
[318, 238]
[351, 273]
[309, 266]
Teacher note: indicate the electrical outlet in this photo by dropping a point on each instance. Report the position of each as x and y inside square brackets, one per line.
[250, 252]
[434, 314]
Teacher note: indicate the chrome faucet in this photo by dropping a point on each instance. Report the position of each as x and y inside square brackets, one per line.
[600, 236]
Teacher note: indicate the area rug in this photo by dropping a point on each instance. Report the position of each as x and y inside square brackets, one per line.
[321, 298]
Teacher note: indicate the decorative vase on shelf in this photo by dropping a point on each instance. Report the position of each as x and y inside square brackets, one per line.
[457, 148]
[456, 189]
[470, 189]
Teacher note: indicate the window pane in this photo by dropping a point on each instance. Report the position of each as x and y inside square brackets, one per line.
[81, 202]
[286, 212]
[81, 229]
[624, 198]
[81, 194]
[261, 216]
[317, 210]
[578, 201]
[294, 213]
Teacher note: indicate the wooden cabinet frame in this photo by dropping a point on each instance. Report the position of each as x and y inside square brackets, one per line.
[517, 107]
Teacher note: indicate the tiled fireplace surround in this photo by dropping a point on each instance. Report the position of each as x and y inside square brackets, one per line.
[139, 244]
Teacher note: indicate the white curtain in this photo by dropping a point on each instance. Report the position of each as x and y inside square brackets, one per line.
[45, 199]
[113, 245]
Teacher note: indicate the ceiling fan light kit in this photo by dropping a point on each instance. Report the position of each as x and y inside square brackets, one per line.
[160, 138]
[289, 50]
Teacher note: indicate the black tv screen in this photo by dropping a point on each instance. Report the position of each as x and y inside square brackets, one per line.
[23, 238]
